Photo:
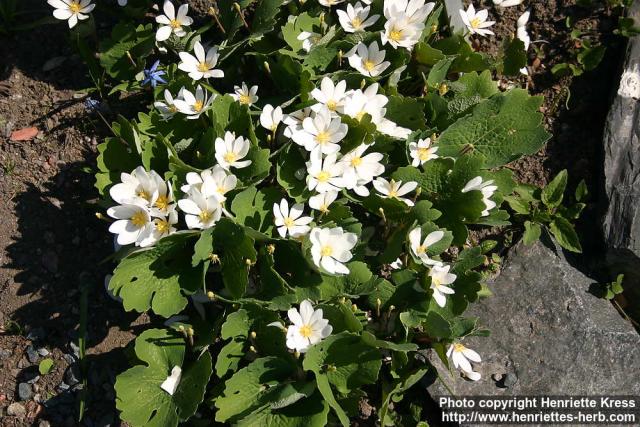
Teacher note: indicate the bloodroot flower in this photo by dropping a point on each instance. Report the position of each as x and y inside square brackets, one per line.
[461, 355]
[308, 327]
[71, 11]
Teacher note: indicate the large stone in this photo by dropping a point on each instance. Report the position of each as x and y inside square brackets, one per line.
[549, 335]
[621, 216]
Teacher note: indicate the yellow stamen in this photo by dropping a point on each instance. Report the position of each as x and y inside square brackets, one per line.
[144, 195]
[457, 347]
[323, 138]
[421, 249]
[356, 22]
[244, 99]
[162, 203]
[356, 161]
[323, 176]
[230, 157]
[368, 65]
[205, 216]
[395, 35]
[175, 24]
[197, 107]
[475, 23]
[305, 331]
[75, 7]
[139, 219]
[332, 105]
[203, 67]
[424, 153]
[162, 225]
[326, 251]
[289, 222]
[360, 115]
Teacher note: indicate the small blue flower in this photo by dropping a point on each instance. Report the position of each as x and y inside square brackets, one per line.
[153, 76]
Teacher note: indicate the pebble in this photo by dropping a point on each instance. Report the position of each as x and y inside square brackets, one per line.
[16, 410]
[32, 355]
[75, 348]
[44, 423]
[34, 379]
[43, 352]
[24, 391]
[509, 380]
[5, 353]
[71, 375]
[69, 358]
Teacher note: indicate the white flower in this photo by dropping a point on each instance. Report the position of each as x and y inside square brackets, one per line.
[171, 383]
[461, 355]
[200, 66]
[309, 39]
[231, 150]
[486, 188]
[356, 18]
[172, 23]
[322, 201]
[71, 11]
[630, 84]
[322, 132]
[291, 221]
[396, 265]
[331, 248]
[330, 96]
[523, 35]
[309, 327]
[244, 95]
[414, 11]
[359, 103]
[271, 117]
[440, 277]
[329, 3]
[422, 151]
[395, 189]
[168, 108]
[159, 227]
[193, 106]
[401, 33]
[507, 3]
[324, 174]
[122, 2]
[388, 127]
[368, 61]
[211, 181]
[294, 121]
[476, 22]
[420, 249]
[141, 188]
[359, 170]
[132, 223]
[200, 212]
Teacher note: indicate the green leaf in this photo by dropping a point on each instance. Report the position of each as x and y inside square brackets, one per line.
[502, 128]
[439, 72]
[45, 366]
[515, 57]
[590, 58]
[310, 412]
[264, 16]
[582, 192]
[399, 387]
[126, 44]
[249, 388]
[532, 232]
[553, 193]
[236, 329]
[406, 112]
[565, 234]
[138, 394]
[254, 208]
[158, 278]
[295, 25]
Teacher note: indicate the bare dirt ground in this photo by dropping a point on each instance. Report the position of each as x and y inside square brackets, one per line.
[51, 241]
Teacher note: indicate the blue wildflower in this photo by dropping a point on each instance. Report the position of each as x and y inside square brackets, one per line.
[153, 76]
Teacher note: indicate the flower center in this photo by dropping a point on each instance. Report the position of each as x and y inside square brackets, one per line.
[144, 195]
[435, 282]
[173, 109]
[203, 67]
[204, 216]
[197, 107]
[458, 348]
[360, 115]
[162, 226]
[323, 137]
[305, 331]
[139, 219]
[356, 161]
[244, 99]
[424, 153]
[289, 222]
[332, 105]
[368, 65]
[323, 176]
[221, 190]
[230, 157]
[162, 203]
[421, 249]
[324, 208]
[395, 35]
[356, 22]
[326, 250]
[475, 22]
[175, 23]
[75, 7]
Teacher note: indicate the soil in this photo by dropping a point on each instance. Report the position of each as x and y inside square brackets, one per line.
[51, 240]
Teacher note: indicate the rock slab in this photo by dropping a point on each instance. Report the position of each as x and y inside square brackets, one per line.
[621, 213]
[549, 335]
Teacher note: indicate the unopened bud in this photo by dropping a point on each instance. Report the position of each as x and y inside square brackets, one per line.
[443, 89]
[253, 335]
[190, 332]
[354, 307]
[211, 295]
[267, 67]
[252, 349]
[271, 249]
[434, 28]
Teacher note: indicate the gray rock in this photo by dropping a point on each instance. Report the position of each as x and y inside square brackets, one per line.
[621, 222]
[5, 353]
[32, 355]
[72, 374]
[25, 392]
[16, 410]
[453, 7]
[540, 347]
[43, 352]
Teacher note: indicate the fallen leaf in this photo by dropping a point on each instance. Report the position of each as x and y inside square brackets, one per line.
[25, 134]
